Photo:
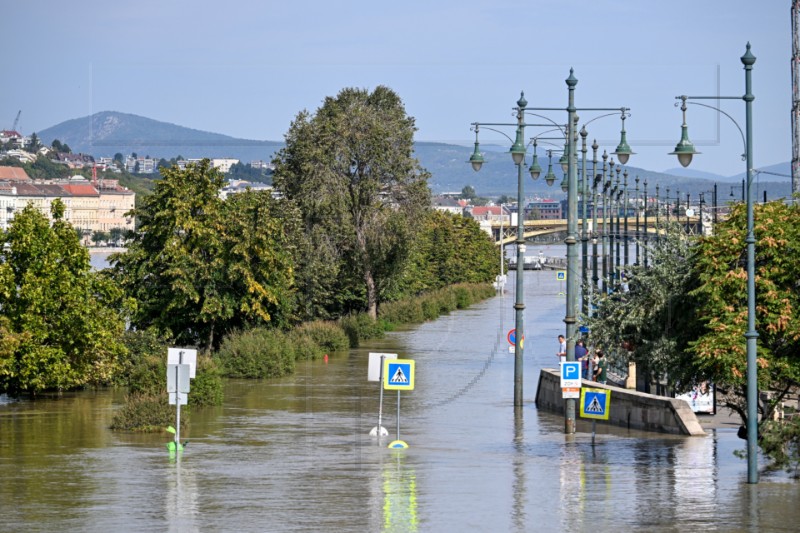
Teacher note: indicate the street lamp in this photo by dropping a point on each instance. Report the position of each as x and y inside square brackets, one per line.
[685, 150]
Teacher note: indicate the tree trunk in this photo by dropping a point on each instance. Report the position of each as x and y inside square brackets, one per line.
[372, 295]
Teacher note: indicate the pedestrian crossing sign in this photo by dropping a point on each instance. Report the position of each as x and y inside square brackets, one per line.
[595, 403]
[398, 374]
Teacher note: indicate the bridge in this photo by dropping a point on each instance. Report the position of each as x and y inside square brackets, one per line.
[535, 228]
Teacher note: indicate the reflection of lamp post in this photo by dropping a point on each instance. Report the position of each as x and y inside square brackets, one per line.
[685, 150]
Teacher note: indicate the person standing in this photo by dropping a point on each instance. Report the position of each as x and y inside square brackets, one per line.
[601, 371]
[562, 348]
[581, 354]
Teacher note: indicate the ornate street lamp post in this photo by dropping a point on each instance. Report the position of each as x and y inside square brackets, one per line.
[685, 150]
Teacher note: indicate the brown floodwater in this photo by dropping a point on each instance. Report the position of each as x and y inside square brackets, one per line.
[295, 454]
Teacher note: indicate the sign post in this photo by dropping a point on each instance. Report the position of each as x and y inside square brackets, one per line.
[595, 404]
[181, 367]
[375, 373]
[398, 375]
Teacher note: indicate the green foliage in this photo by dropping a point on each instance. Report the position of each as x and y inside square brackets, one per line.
[648, 325]
[328, 335]
[721, 295]
[780, 441]
[430, 305]
[147, 412]
[61, 322]
[351, 171]
[256, 353]
[448, 250]
[200, 267]
[206, 388]
[361, 326]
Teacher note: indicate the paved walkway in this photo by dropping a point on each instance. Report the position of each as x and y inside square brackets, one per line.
[724, 419]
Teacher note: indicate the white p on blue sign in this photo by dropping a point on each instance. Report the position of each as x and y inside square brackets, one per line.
[570, 374]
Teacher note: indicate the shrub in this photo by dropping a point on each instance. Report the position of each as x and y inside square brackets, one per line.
[407, 311]
[206, 387]
[328, 335]
[304, 347]
[146, 413]
[256, 353]
[143, 347]
[359, 327]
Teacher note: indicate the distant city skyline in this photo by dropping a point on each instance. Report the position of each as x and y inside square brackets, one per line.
[245, 68]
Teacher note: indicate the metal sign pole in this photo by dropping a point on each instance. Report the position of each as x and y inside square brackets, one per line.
[398, 414]
[380, 402]
[178, 406]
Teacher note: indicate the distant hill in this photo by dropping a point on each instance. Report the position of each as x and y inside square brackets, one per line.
[108, 132]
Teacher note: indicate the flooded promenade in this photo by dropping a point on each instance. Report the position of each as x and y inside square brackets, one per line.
[294, 454]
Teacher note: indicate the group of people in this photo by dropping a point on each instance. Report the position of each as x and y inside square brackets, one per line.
[595, 366]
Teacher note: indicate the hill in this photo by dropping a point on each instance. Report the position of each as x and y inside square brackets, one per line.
[107, 133]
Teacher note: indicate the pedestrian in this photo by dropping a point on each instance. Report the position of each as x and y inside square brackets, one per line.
[562, 348]
[601, 371]
[581, 354]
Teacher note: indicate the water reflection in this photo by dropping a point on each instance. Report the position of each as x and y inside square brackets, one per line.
[294, 454]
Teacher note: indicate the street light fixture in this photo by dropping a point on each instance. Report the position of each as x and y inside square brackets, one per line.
[685, 151]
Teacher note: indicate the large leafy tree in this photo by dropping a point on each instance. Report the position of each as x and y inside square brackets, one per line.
[647, 324]
[200, 266]
[350, 168]
[719, 352]
[60, 322]
[448, 249]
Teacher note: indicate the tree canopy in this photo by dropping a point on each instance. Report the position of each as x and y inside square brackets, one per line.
[200, 266]
[61, 323]
[351, 171]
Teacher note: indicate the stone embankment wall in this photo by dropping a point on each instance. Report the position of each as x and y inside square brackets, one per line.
[628, 408]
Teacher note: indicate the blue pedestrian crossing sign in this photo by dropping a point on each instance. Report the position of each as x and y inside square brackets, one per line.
[561, 275]
[398, 374]
[595, 403]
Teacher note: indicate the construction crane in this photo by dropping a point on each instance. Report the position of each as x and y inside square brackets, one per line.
[16, 121]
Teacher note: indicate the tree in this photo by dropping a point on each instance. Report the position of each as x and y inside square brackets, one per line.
[119, 158]
[99, 236]
[199, 266]
[468, 192]
[648, 325]
[56, 145]
[350, 169]
[719, 352]
[60, 323]
[34, 144]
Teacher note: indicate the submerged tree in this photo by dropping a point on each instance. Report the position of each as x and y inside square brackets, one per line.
[200, 266]
[351, 170]
[60, 322]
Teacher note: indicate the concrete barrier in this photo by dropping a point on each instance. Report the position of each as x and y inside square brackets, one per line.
[628, 408]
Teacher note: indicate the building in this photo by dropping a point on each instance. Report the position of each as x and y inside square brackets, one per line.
[545, 209]
[447, 204]
[13, 174]
[223, 164]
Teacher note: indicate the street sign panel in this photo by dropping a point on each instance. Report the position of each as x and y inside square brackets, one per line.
[570, 374]
[512, 337]
[595, 403]
[561, 275]
[375, 366]
[398, 374]
[183, 356]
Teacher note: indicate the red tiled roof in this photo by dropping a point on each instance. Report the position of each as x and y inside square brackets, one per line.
[81, 190]
[486, 210]
[14, 174]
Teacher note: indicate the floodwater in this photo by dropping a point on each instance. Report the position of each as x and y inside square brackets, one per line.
[294, 454]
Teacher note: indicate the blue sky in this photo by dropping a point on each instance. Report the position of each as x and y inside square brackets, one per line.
[246, 68]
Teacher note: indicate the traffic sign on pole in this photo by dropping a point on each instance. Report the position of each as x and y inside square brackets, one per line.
[595, 403]
[398, 374]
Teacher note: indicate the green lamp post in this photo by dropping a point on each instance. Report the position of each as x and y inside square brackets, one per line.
[685, 150]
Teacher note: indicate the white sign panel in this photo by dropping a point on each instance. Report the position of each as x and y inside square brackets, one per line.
[571, 375]
[175, 396]
[183, 356]
[178, 378]
[376, 365]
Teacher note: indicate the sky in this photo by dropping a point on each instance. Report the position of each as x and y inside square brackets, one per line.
[245, 68]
